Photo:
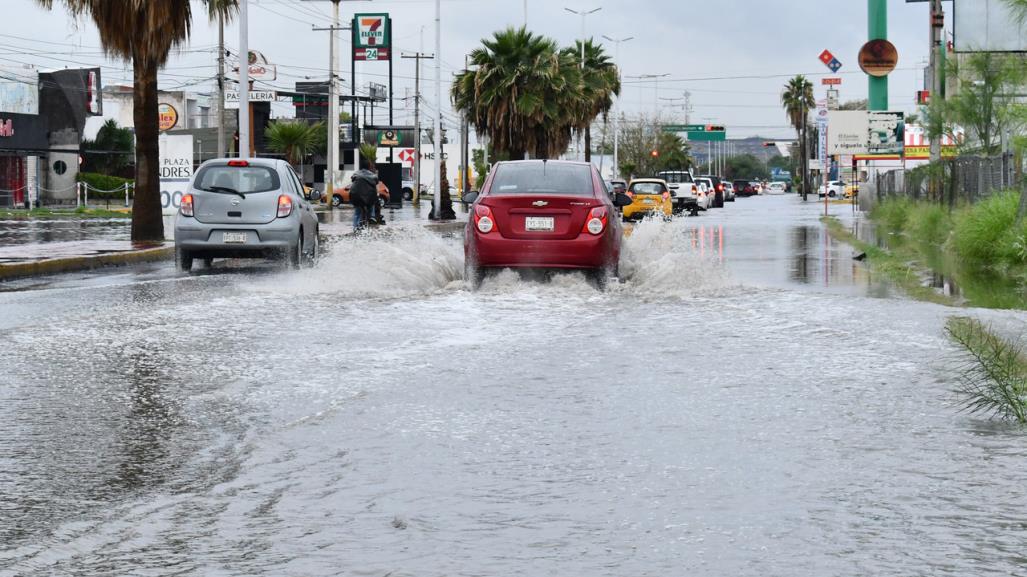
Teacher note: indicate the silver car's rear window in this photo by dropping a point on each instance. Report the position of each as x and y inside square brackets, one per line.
[543, 178]
[647, 188]
[244, 179]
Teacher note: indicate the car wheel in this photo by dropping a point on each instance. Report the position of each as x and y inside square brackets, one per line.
[473, 274]
[183, 260]
[336, 201]
[294, 256]
[408, 194]
[315, 250]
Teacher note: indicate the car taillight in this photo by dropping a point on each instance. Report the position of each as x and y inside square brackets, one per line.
[284, 206]
[483, 219]
[186, 207]
[720, 188]
[596, 223]
[695, 189]
[238, 163]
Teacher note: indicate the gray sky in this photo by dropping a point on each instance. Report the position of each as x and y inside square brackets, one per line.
[732, 55]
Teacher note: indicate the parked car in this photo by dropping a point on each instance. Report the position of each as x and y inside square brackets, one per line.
[649, 196]
[729, 191]
[717, 200]
[704, 192]
[776, 188]
[254, 208]
[834, 189]
[535, 214]
[683, 194]
[757, 187]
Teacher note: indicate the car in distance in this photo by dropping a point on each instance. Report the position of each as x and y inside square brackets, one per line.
[684, 195]
[743, 188]
[729, 191]
[776, 188]
[543, 214]
[717, 198]
[617, 186]
[649, 196]
[705, 191]
[246, 208]
[834, 188]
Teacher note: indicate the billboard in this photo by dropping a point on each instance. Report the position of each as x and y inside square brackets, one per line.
[866, 134]
[371, 31]
[987, 26]
[19, 90]
[176, 169]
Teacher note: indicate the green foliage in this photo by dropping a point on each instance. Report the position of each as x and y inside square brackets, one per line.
[640, 138]
[745, 166]
[778, 161]
[893, 214]
[111, 151]
[930, 223]
[985, 233]
[294, 138]
[369, 152]
[993, 379]
[527, 95]
[104, 186]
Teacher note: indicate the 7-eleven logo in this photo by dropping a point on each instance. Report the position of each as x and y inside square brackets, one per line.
[372, 31]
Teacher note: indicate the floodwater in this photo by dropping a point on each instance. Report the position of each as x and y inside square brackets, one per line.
[35, 231]
[746, 402]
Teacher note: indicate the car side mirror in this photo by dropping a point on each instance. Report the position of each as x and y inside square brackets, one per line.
[621, 200]
[469, 197]
[314, 195]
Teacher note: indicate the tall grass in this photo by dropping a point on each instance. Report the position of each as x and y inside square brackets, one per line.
[986, 234]
[930, 223]
[993, 380]
[893, 214]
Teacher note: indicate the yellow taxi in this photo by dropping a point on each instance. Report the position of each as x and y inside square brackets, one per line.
[648, 196]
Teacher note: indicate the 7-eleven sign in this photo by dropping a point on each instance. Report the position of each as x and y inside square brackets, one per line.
[371, 31]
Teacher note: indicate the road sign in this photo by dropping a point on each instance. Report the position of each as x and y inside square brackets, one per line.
[372, 31]
[684, 127]
[831, 81]
[371, 54]
[711, 136]
[255, 96]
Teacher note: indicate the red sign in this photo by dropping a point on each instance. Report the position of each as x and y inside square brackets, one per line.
[826, 57]
[831, 81]
[7, 127]
[370, 54]
[407, 154]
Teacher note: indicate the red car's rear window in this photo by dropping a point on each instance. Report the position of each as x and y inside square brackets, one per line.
[542, 178]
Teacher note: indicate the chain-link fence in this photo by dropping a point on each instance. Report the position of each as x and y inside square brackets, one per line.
[967, 179]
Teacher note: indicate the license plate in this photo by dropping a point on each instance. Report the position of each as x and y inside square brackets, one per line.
[649, 201]
[538, 223]
[234, 238]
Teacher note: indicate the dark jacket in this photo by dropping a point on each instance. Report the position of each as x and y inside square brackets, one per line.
[364, 190]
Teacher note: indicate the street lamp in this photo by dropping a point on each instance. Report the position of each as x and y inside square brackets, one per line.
[616, 118]
[583, 14]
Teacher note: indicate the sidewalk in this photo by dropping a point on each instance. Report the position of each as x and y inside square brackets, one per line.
[55, 257]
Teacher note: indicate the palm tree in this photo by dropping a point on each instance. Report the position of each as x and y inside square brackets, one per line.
[144, 31]
[521, 94]
[797, 100]
[293, 138]
[600, 82]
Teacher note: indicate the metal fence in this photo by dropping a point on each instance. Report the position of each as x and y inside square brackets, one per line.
[967, 179]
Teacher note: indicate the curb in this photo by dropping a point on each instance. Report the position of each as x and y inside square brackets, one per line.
[79, 263]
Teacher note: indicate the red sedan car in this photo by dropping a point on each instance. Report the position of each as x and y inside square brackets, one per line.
[543, 214]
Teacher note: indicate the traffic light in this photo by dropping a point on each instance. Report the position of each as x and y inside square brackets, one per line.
[655, 153]
[923, 97]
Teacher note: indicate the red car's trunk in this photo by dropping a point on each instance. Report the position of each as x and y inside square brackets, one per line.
[540, 217]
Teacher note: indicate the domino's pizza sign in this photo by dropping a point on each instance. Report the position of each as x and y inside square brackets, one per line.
[830, 61]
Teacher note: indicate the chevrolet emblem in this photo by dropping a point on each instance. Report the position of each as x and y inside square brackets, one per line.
[540, 203]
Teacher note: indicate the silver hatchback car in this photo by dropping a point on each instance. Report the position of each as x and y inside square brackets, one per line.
[246, 208]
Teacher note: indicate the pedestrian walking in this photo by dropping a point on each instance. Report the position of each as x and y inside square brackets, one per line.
[364, 192]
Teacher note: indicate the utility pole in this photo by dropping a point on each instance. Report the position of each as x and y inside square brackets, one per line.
[244, 80]
[332, 155]
[616, 104]
[937, 55]
[418, 57]
[877, 18]
[583, 13]
[437, 197]
[221, 84]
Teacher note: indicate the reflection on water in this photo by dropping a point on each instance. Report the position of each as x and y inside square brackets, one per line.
[16, 232]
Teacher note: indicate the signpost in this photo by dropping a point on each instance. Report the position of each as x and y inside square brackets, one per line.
[830, 61]
[372, 42]
[825, 160]
[699, 132]
[232, 97]
[176, 169]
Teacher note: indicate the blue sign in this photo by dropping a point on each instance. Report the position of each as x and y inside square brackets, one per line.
[834, 65]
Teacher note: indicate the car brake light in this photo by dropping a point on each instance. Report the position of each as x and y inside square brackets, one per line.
[238, 163]
[186, 207]
[695, 189]
[483, 219]
[596, 223]
[720, 188]
[284, 206]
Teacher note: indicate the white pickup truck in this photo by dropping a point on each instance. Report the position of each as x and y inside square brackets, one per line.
[685, 195]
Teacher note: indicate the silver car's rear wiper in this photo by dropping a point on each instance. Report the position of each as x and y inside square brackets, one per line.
[223, 189]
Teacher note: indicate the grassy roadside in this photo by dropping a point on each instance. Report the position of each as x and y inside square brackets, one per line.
[900, 269]
[63, 214]
[994, 378]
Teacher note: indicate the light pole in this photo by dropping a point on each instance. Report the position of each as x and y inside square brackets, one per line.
[616, 118]
[437, 198]
[244, 80]
[583, 14]
[332, 155]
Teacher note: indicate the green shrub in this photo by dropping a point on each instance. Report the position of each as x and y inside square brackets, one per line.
[994, 378]
[984, 233]
[893, 214]
[99, 183]
[930, 223]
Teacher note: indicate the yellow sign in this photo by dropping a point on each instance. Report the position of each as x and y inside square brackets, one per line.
[924, 152]
[167, 117]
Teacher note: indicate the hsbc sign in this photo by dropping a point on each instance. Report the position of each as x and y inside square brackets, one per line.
[372, 31]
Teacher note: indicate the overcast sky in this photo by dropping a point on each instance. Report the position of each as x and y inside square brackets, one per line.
[732, 55]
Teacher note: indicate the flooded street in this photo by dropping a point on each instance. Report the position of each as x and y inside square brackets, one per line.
[750, 400]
